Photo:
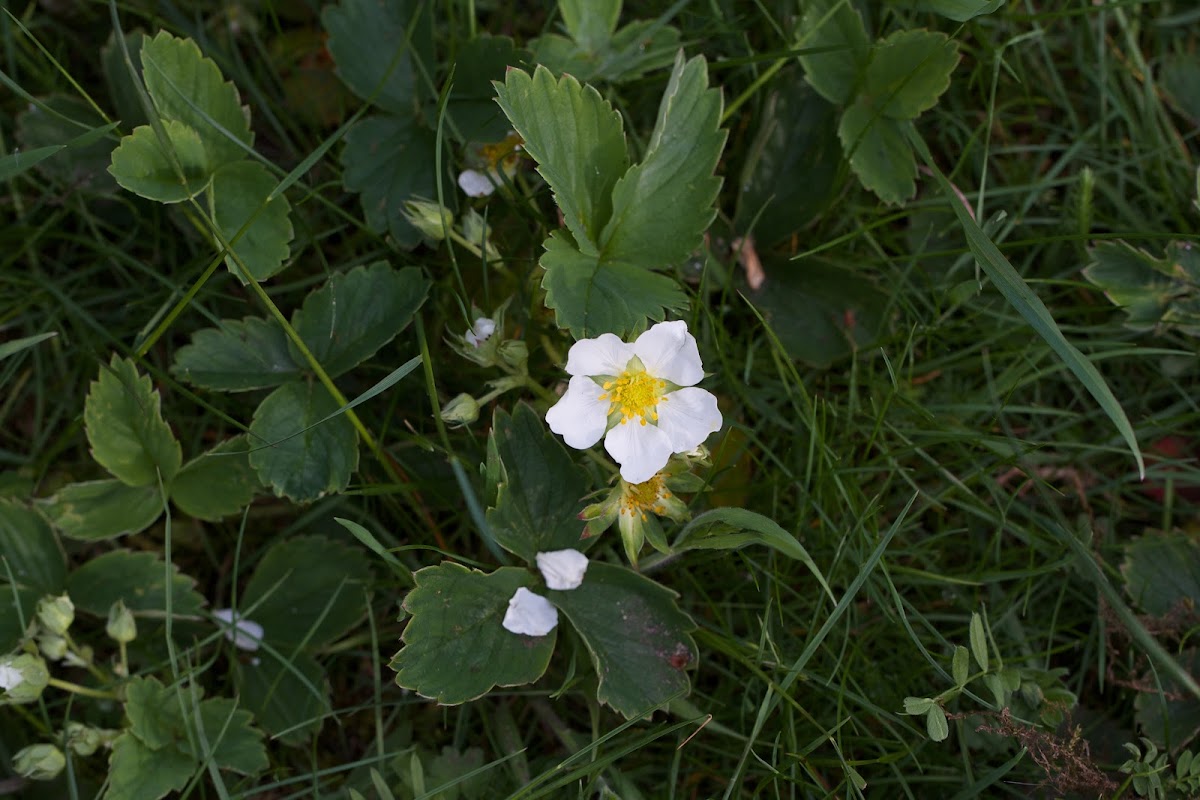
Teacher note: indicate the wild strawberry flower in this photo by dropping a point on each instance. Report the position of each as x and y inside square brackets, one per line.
[480, 331]
[245, 634]
[640, 397]
[497, 157]
[530, 614]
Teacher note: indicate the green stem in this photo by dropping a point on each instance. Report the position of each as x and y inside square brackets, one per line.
[67, 686]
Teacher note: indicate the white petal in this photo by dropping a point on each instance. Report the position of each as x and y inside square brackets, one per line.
[475, 184]
[687, 417]
[670, 352]
[484, 327]
[641, 450]
[530, 614]
[245, 634]
[604, 355]
[10, 677]
[580, 416]
[562, 569]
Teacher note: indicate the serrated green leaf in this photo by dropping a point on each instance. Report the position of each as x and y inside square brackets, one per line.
[908, 72]
[455, 646]
[537, 506]
[578, 141]
[226, 734]
[389, 160]
[638, 638]
[217, 483]
[239, 190]
[61, 125]
[288, 705]
[960, 666]
[136, 578]
[662, 206]
[106, 509]
[1155, 293]
[473, 99]
[29, 550]
[1162, 571]
[960, 10]
[836, 29]
[307, 590]
[188, 88]
[238, 356]
[123, 419]
[307, 466]
[936, 724]
[590, 23]
[365, 36]
[141, 165]
[135, 772]
[734, 528]
[879, 152]
[590, 297]
[355, 313]
[153, 712]
[638, 48]
[979, 644]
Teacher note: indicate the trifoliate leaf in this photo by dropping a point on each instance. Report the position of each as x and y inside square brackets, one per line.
[879, 152]
[307, 590]
[909, 71]
[1162, 572]
[597, 52]
[638, 638]
[239, 192]
[139, 579]
[290, 700]
[834, 28]
[473, 100]
[366, 36]
[188, 88]
[592, 297]
[1156, 294]
[662, 206]
[578, 141]
[136, 772]
[217, 484]
[123, 419]
[106, 509]
[537, 506]
[29, 550]
[240, 355]
[303, 465]
[389, 160]
[351, 317]
[455, 646]
[141, 164]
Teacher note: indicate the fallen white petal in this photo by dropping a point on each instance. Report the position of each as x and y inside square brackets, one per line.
[562, 569]
[687, 417]
[580, 416]
[669, 351]
[245, 634]
[530, 614]
[475, 184]
[604, 355]
[641, 450]
[10, 677]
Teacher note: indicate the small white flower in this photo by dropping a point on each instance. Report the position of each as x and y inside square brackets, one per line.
[530, 614]
[10, 677]
[640, 397]
[480, 331]
[245, 634]
[475, 183]
[562, 569]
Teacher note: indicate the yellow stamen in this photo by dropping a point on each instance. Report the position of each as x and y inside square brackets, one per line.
[634, 394]
[638, 498]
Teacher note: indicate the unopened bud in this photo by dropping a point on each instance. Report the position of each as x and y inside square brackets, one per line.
[462, 410]
[121, 627]
[53, 647]
[23, 678]
[39, 762]
[430, 219]
[514, 353]
[56, 613]
[83, 739]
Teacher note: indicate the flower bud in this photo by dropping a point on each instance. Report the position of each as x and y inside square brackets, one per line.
[53, 647]
[56, 613]
[121, 627]
[83, 657]
[514, 353]
[39, 762]
[83, 739]
[23, 678]
[462, 410]
[430, 219]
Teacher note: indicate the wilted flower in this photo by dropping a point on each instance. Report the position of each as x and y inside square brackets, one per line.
[639, 397]
[245, 634]
[23, 677]
[562, 569]
[39, 762]
[635, 507]
[530, 614]
[496, 159]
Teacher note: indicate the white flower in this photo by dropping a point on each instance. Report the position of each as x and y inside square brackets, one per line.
[475, 183]
[562, 569]
[530, 614]
[640, 397]
[480, 331]
[10, 677]
[245, 634]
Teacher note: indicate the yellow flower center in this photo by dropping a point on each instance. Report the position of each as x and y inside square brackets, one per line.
[638, 498]
[634, 393]
[503, 152]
